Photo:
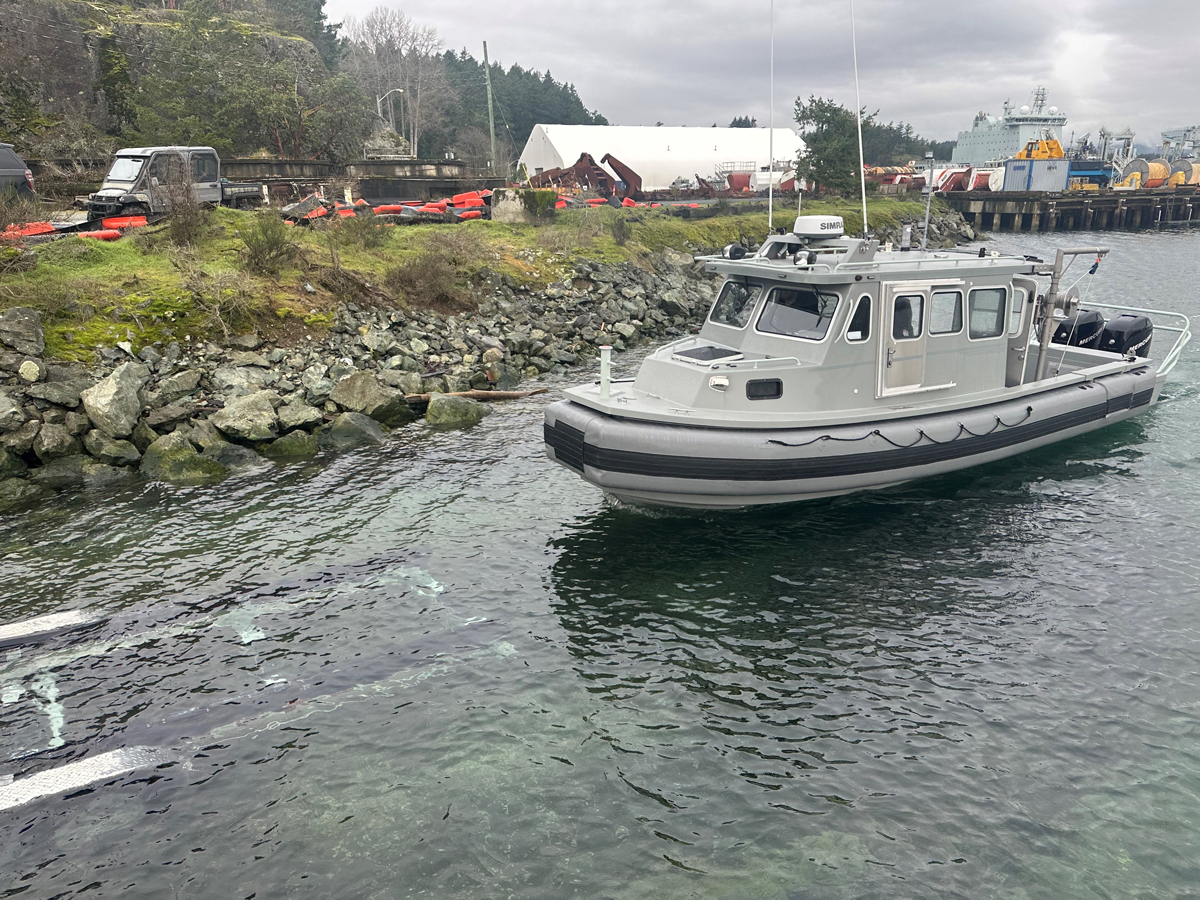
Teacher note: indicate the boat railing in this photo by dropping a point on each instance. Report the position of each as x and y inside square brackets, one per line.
[1182, 332]
[774, 362]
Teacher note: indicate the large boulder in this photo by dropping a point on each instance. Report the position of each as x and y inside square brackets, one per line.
[113, 404]
[11, 466]
[12, 416]
[299, 414]
[455, 412]
[54, 442]
[233, 457]
[293, 445]
[176, 387]
[20, 441]
[362, 393]
[72, 471]
[248, 377]
[109, 451]
[17, 492]
[408, 382]
[21, 331]
[353, 429]
[172, 458]
[250, 419]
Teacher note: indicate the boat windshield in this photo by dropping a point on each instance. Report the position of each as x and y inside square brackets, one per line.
[736, 304]
[126, 168]
[799, 312]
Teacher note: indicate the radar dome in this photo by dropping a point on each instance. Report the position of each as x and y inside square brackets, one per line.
[1024, 110]
[1053, 110]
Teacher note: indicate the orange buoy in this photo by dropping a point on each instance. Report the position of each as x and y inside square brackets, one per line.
[124, 222]
[471, 214]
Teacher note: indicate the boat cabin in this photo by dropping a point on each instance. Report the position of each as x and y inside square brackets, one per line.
[818, 323]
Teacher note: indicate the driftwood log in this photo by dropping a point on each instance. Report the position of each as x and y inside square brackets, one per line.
[479, 395]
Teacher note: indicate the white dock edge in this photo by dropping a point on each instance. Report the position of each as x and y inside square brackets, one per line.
[41, 627]
[79, 774]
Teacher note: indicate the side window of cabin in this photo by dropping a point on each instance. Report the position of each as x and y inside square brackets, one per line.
[908, 317]
[945, 312]
[798, 312]
[204, 167]
[1014, 315]
[859, 328]
[736, 304]
[987, 312]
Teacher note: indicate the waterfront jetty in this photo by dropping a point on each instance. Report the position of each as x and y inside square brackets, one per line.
[1076, 211]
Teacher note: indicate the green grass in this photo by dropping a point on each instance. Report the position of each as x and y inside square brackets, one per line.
[95, 293]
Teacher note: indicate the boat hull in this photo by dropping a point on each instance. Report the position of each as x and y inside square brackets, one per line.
[652, 463]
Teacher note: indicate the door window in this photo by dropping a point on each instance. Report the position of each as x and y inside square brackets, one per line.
[907, 317]
[204, 168]
[859, 328]
[945, 312]
[987, 312]
[1014, 316]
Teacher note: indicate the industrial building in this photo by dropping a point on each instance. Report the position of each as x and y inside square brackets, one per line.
[661, 155]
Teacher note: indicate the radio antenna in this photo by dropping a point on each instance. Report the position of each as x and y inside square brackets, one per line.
[771, 136]
[862, 171]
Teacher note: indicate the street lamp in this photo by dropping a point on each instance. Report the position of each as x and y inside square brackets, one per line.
[379, 105]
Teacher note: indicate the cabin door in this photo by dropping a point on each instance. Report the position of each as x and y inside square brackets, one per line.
[902, 350]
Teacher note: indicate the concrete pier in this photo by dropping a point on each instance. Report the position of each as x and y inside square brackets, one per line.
[1079, 211]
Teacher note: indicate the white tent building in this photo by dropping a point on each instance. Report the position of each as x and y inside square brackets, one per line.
[660, 154]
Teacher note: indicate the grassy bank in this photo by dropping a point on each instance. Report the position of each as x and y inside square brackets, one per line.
[146, 288]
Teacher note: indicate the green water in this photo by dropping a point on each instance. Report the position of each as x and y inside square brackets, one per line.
[449, 668]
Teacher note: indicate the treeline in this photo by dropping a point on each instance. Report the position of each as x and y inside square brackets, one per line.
[229, 73]
[830, 133]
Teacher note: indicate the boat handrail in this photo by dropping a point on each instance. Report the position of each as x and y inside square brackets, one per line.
[773, 362]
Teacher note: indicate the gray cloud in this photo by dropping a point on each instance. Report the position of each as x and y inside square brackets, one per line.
[934, 63]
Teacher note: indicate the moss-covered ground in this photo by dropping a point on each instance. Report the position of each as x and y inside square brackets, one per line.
[142, 288]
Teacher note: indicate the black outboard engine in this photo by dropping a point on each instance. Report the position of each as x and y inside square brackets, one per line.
[1081, 330]
[1128, 335]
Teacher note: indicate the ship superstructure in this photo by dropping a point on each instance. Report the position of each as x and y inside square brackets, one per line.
[994, 139]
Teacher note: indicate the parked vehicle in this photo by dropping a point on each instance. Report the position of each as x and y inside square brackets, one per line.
[149, 180]
[15, 176]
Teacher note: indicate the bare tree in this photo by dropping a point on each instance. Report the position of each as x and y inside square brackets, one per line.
[388, 51]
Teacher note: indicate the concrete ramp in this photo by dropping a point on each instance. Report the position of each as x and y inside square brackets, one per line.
[79, 774]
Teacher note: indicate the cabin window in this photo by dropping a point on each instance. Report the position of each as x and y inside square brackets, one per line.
[945, 312]
[1014, 315]
[987, 312]
[204, 167]
[859, 328]
[736, 304]
[907, 317]
[799, 312]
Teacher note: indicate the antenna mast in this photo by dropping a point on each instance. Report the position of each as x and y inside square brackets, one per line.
[771, 136]
[487, 71]
[862, 171]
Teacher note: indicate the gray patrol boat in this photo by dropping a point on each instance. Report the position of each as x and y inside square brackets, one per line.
[831, 364]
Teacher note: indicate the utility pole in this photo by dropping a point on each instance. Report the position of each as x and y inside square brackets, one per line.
[487, 71]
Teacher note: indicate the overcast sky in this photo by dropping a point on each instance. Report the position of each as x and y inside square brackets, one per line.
[934, 63]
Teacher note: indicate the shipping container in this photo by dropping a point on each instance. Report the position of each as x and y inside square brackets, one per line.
[1036, 175]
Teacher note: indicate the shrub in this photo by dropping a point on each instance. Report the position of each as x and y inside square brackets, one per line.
[429, 279]
[188, 220]
[268, 245]
[362, 230]
[621, 230]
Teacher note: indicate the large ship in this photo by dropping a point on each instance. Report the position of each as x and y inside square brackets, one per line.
[994, 139]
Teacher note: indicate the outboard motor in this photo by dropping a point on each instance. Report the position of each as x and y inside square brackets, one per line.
[1128, 335]
[1084, 329]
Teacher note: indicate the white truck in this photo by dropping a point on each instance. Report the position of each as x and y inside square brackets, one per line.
[149, 180]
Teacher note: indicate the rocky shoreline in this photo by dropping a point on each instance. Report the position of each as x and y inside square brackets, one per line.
[193, 412]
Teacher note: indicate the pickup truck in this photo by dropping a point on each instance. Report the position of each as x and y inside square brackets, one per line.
[148, 180]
